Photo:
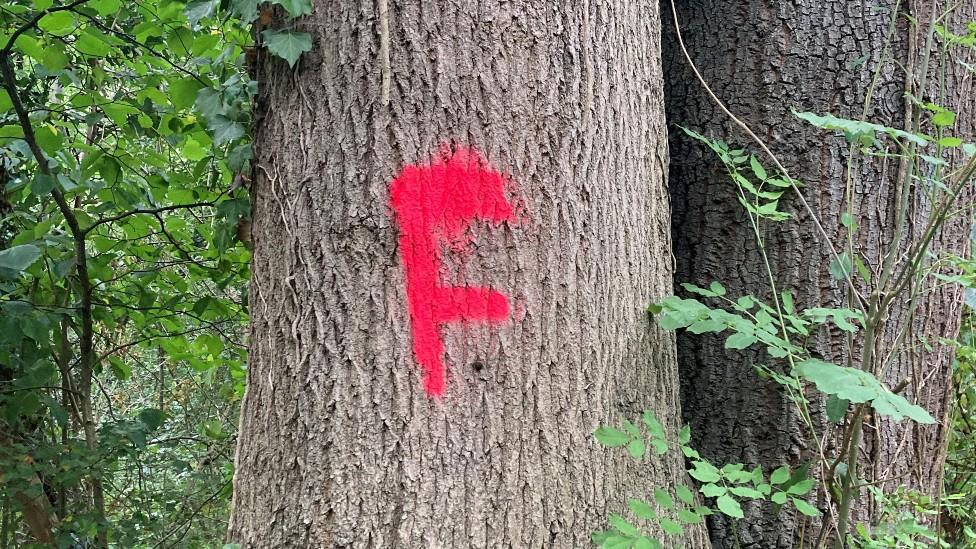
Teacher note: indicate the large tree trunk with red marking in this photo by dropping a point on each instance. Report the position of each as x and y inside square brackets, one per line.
[426, 369]
[762, 59]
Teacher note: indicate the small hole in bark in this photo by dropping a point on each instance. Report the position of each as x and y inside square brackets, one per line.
[477, 366]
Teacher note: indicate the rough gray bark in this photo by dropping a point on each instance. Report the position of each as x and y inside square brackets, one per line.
[764, 58]
[339, 445]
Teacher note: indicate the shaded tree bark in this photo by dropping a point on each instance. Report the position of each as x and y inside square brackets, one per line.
[339, 444]
[762, 59]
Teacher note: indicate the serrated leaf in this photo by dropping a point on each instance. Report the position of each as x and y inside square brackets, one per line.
[729, 506]
[288, 45]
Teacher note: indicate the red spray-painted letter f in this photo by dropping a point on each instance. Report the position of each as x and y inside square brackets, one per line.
[435, 202]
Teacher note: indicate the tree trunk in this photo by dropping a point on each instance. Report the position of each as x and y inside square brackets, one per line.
[762, 59]
[389, 404]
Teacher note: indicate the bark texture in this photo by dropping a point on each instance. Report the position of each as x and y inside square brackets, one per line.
[339, 444]
[764, 58]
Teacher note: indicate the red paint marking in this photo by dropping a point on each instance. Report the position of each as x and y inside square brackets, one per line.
[437, 202]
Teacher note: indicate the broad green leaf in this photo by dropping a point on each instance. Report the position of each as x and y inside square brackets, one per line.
[729, 506]
[653, 425]
[805, 508]
[836, 408]
[288, 45]
[19, 258]
[704, 472]
[689, 517]
[801, 488]
[712, 490]
[608, 436]
[641, 509]
[622, 526]
[740, 340]
[757, 168]
[636, 448]
[663, 499]
[780, 475]
[858, 386]
[59, 23]
[684, 494]
[944, 118]
[671, 527]
[295, 8]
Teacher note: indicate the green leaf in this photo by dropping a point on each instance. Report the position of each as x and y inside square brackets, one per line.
[689, 517]
[671, 527]
[712, 490]
[288, 45]
[610, 437]
[106, 7]
[663, 499]
[801, 488]
[295, 8]
[739, 340]
[684, 436]
[757, 168]
[645, 543]
[858, 386]
[225, 129]
[836, 408]
[641, 509]
[704, 472]
[841, 266]
[636, 448]
[59, 23]
[950, 142]
[684, 494]
[729, 506]
[779, 498]
[622, 526]
[201, 9]
[780, 475]
[944, 118]
[93, 43]
[19, 258]
[653, 425]
[245, 10]
[183, 92]
[805, 508]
